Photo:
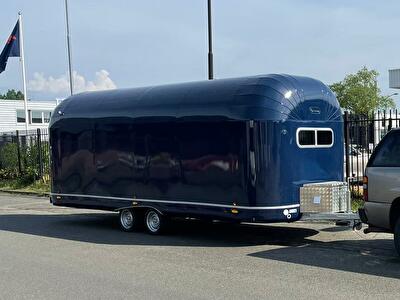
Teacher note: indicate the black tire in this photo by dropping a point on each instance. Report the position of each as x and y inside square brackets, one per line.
[397, 236]
[155, 222]
[129, 219]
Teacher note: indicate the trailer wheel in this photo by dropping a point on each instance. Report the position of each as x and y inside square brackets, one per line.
[155, 223]
[397, 236]
[129, 219]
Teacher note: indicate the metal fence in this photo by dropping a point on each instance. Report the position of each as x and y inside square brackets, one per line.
[361, 135]
[25, 153]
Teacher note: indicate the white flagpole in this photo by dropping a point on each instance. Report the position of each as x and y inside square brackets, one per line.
[21, 50]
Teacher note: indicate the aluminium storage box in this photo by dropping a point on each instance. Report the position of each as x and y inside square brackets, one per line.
[324, 197]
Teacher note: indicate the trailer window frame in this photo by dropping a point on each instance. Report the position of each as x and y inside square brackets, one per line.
[315, 130]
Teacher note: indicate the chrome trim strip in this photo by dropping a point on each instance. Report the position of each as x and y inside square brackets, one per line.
[179, 202]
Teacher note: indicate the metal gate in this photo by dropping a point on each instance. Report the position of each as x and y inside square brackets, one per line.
[361, 135]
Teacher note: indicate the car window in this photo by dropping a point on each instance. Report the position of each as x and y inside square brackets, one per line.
[388, 152]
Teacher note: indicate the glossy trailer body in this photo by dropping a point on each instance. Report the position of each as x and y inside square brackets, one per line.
[236, 149]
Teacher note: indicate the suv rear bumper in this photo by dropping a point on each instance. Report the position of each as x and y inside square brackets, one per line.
[371, 228]
[376, 214]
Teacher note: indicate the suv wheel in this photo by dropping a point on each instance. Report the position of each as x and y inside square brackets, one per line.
[397, 235]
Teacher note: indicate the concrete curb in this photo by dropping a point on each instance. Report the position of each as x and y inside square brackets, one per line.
[39, 194]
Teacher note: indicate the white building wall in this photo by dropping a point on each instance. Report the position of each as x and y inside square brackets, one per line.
[8, 113]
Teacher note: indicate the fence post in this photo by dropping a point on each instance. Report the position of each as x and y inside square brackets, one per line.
[39, 149]
[19, 154]
[347, 143]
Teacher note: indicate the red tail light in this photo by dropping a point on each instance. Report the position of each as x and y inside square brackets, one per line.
[365, 188]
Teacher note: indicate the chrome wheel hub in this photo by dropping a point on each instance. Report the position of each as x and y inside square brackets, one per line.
[127, 219]
[153, 221]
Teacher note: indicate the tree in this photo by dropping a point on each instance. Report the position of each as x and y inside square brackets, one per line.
[360, 94]
[12, 95]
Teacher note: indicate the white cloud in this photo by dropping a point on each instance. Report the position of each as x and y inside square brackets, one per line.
[41, 83]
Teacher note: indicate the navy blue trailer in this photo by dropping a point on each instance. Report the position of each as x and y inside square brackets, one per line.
[232, 149]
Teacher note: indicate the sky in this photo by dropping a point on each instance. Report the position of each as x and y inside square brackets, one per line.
[132, 43]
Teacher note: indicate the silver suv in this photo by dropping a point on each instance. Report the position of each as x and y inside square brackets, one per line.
[382, 188]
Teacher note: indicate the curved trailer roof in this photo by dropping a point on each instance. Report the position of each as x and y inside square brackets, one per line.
[264, 97]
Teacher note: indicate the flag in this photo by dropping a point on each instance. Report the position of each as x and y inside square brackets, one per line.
[11, 49]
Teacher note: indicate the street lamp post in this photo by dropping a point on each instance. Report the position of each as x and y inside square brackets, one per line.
[71, 84]
[210, 54]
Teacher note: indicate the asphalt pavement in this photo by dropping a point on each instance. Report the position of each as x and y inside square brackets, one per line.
[63, 253]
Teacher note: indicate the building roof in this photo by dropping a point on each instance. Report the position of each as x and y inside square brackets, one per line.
[264, 97]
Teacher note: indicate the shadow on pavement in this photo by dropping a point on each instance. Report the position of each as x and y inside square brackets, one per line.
[103, 228]
[335, 229]
[371, 257]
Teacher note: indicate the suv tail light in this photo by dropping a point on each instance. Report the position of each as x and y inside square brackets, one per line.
[365, 188]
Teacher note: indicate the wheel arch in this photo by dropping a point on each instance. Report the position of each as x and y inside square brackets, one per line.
[140, 208]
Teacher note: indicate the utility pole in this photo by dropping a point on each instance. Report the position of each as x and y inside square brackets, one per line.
[71, 85]
[210, 54]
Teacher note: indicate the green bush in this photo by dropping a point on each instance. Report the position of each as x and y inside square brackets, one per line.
[29, 155]
[9, 157]
[29, 175]
[8, 174]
